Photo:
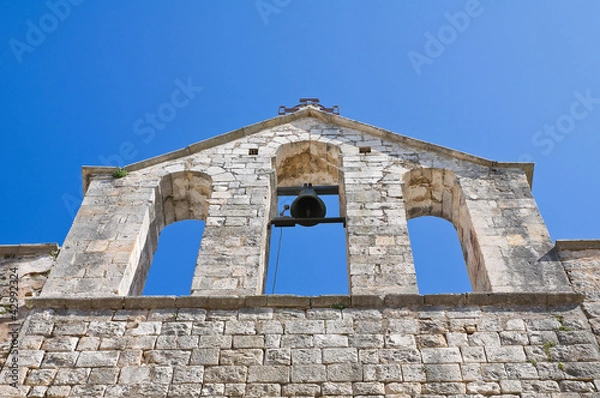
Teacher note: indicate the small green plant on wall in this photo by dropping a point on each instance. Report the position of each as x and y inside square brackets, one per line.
[119, 173]
[547, 345]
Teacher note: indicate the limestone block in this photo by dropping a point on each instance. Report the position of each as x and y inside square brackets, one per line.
[366, 341]
[248, 342]
[103, 376]
[385, 372]
[306, 356]
[188, 374]
[521, 371]
[273, 374]
[389, 355]
[368, 388]
[400, 340]
[61, 359]
[89, 359]
[473, 354]
[167, 357]
[58, 391]
[245, 357]
[205, 356]
[71, 376]
[308, 373]
[341, 372]
[444, 388]
[441, 355]
[278, 356]
[40, 377]
[304, 327]
[330, 340]
[225, 374]
[446, 372]
[505, 354]
[159, 375]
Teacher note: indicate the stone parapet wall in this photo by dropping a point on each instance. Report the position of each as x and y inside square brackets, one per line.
[530, 329]
[581, 260]
[231, 183]
[405, 351]
[23, 272]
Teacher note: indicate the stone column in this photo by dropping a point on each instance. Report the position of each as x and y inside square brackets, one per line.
[379, 254]
[233, 251]
[103, 247]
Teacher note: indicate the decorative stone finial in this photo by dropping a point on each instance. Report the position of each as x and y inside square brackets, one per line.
[304, 102]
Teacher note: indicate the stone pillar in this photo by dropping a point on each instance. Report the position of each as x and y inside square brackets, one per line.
[379, 254]
[233, 251]
[102, 250]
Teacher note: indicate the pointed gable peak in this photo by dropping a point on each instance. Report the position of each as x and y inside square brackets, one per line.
[312, 109]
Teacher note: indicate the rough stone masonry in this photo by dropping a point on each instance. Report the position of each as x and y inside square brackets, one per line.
[530, 328]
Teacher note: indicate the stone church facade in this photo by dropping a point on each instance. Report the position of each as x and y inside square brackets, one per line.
[530, 328]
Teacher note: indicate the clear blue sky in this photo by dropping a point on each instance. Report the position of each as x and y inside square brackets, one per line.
[505, 80]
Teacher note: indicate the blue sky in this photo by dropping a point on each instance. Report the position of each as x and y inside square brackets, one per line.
[507, 81]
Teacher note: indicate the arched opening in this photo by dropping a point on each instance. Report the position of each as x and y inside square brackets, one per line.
[180, 196]
[437, 255]
[308, 261]
[437, 192]
[174, 261]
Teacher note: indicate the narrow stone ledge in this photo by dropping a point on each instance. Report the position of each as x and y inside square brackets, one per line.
[304, 302]
[330, 301]
[32, 248]
[288, 301]
[539, 299]
[192, 301]
[143, 302]
[580, 244]
[112, 302]
[367, 301]
[403, 300]
[446, 299]
[256, 301]
[507, 298]
[226, 302]
[565, 298]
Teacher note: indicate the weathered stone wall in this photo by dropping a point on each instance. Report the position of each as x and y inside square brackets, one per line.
[23, 272]
[581, 260]
[512, 347]
[234, 179]
[530, 329]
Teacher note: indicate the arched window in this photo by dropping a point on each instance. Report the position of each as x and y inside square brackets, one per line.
[175, 259]
[311, 260]
[308, 261]
[180, 196]
[437, 192]
[437, 256]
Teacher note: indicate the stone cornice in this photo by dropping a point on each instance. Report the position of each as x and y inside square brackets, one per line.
[28, 248]
[577, 244]
[284, 301]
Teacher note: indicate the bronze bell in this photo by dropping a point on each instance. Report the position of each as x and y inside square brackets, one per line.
[308, 205]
